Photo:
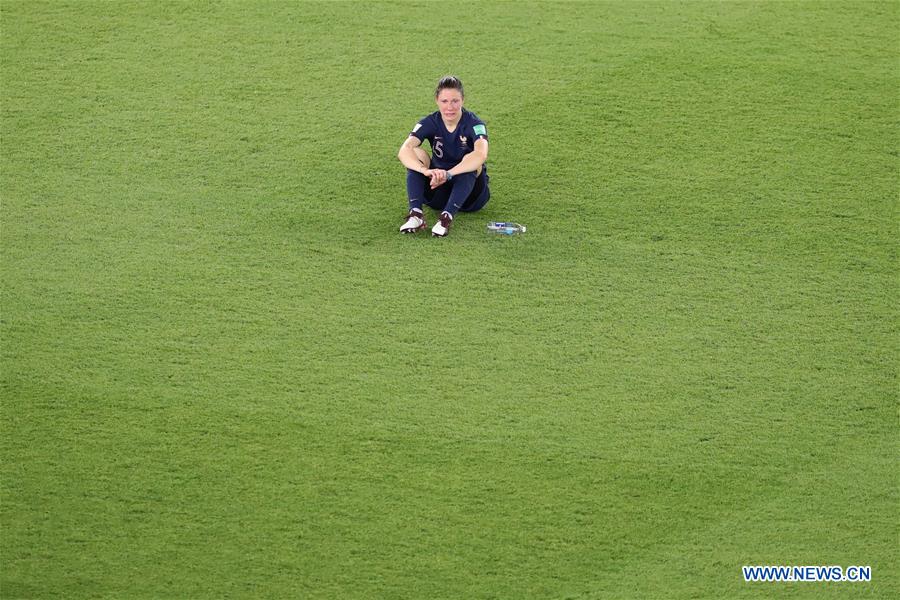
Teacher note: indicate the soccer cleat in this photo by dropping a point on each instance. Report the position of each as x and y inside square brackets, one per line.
[415, 221]
[441, 228]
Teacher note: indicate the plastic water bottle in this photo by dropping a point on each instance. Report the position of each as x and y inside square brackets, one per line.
[505, 228]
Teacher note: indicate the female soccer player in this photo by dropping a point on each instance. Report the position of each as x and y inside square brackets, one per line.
[454, 178]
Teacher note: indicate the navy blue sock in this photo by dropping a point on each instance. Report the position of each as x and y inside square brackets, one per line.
[415, 189]
[462, 187]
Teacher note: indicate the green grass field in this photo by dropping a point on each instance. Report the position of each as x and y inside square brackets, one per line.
[225, 374]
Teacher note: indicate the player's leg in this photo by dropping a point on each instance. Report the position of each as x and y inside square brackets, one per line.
[416, 183]
[437, 198]
[422, 156]
[462, 186]
[417, 191]
[480, 195]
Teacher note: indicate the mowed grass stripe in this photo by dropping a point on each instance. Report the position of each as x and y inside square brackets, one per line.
[224, 372]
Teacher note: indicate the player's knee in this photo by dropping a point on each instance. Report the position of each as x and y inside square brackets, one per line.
[423, 157]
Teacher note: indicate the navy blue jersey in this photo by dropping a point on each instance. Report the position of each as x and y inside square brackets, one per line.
[448, 149]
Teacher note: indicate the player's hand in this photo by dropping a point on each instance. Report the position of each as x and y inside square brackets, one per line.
[438, 177]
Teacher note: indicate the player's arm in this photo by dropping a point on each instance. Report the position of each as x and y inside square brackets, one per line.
[473, 160]
[407, 155]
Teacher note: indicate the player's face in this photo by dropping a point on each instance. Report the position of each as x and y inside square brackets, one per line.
[450, 103]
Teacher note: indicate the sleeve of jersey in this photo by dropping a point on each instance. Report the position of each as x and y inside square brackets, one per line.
[423, 129]
[479, 131]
